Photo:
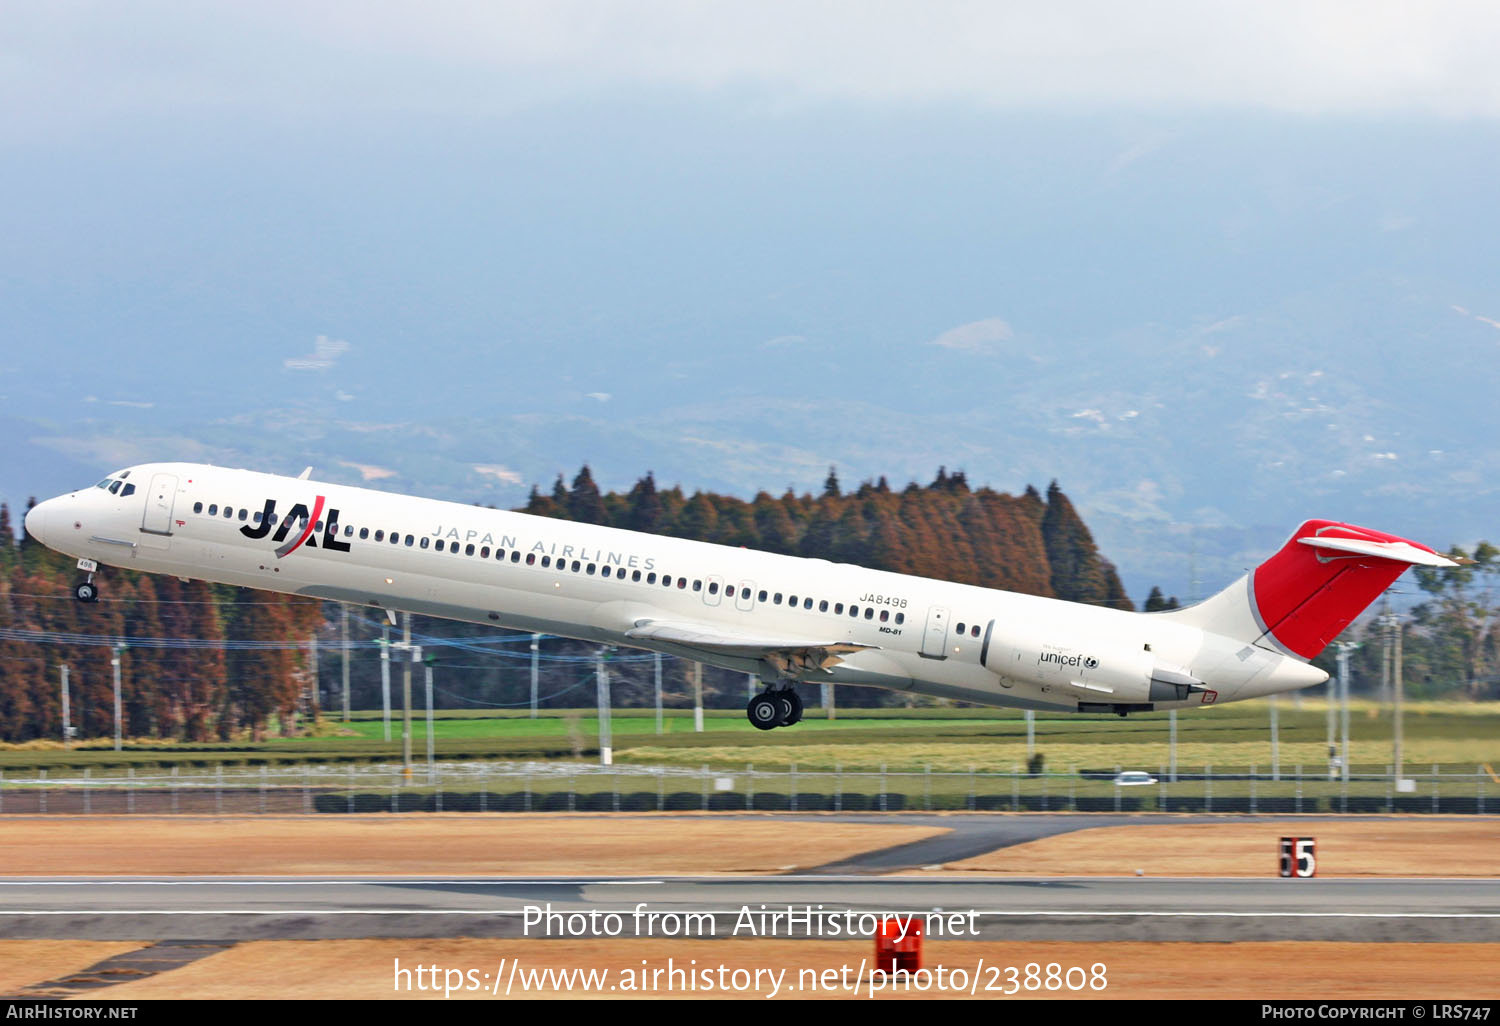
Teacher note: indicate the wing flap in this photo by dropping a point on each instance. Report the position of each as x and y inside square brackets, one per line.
[791, 657]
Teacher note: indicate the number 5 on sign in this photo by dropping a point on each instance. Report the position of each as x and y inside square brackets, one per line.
[1299, 856]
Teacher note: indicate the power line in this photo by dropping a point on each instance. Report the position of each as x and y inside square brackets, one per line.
[73, 638]
[514, 705]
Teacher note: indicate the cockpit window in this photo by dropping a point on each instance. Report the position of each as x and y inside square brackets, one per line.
[105, 483]
[130, 490]
[114, 489]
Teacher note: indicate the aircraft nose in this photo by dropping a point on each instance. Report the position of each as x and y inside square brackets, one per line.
[36, 521]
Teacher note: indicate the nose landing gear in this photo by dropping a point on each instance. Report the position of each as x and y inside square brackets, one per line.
[86, 590]
[774, 708]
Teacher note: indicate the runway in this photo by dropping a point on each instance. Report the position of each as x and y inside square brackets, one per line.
[1003, 908]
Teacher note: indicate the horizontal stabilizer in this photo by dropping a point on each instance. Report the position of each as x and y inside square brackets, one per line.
[1399, 551]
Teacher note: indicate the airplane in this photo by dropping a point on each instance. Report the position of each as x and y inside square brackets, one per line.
[783, 618]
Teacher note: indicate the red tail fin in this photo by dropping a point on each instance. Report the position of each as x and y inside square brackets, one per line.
[1325, 576]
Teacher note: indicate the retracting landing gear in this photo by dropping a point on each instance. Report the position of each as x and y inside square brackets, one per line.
[86, 590]
[764, 712]
[791, 707]
[774, 708]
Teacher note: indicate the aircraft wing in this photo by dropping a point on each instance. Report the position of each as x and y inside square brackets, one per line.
[792, 657]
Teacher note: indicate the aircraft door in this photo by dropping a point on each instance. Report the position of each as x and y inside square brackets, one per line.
[715, 590]
[746, 598]
[159, 499]
[935, 637]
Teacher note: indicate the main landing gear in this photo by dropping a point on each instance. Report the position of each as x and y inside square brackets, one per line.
[781, 707]
[86, 590]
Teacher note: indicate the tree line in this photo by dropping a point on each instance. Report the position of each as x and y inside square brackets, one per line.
[945, 530]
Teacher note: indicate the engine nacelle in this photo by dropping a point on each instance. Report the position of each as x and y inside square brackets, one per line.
[1108, 671]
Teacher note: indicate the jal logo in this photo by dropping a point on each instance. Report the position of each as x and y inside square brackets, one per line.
[287, 543]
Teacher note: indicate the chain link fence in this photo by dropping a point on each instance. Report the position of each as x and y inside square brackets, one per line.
[481, 787]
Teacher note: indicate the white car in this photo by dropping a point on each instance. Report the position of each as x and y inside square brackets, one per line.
[1133, 777]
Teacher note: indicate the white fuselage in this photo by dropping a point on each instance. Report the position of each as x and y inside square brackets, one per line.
[381, 550]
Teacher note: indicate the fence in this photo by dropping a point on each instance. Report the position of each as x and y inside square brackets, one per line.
[470, 787]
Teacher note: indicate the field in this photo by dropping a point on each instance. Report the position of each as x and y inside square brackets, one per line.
[1457, 737]
[459, 844]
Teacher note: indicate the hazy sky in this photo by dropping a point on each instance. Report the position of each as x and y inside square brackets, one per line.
[71, 67]
[255, 176]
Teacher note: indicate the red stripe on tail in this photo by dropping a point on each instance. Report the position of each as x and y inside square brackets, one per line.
[1305, 596]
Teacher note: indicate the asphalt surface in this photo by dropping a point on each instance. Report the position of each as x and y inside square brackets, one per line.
[1004, 908]
[971, 835]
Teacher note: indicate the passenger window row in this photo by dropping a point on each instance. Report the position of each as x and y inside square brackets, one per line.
[230, 513]
[973, 630]
[605, 570]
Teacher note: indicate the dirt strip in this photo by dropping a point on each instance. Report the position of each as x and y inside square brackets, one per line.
[158, 957]
[463, 844]
[456, 844]
[367, 969]
[1387, 847]
[32, 961]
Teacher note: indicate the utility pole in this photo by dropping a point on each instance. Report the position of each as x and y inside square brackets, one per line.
[316, 682]
[601, 677]
[536, 651]
[1193, 596]
[698, 698]
[1333, 751]
[67, 719]
[385, 677]
[344, 635]
[1345, 647]
[1275, 742]
[1385, 649]
[431, 742]
[406, 695]
[1030, 735]
[114, 662]
[828, 705]
[1395, 630]
[658, 692]
[1172, 745]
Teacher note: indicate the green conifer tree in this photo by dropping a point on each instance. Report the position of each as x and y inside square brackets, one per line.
[646, 512]
[585, 506]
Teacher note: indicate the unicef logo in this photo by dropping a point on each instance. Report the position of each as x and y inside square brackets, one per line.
[1056, 659]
